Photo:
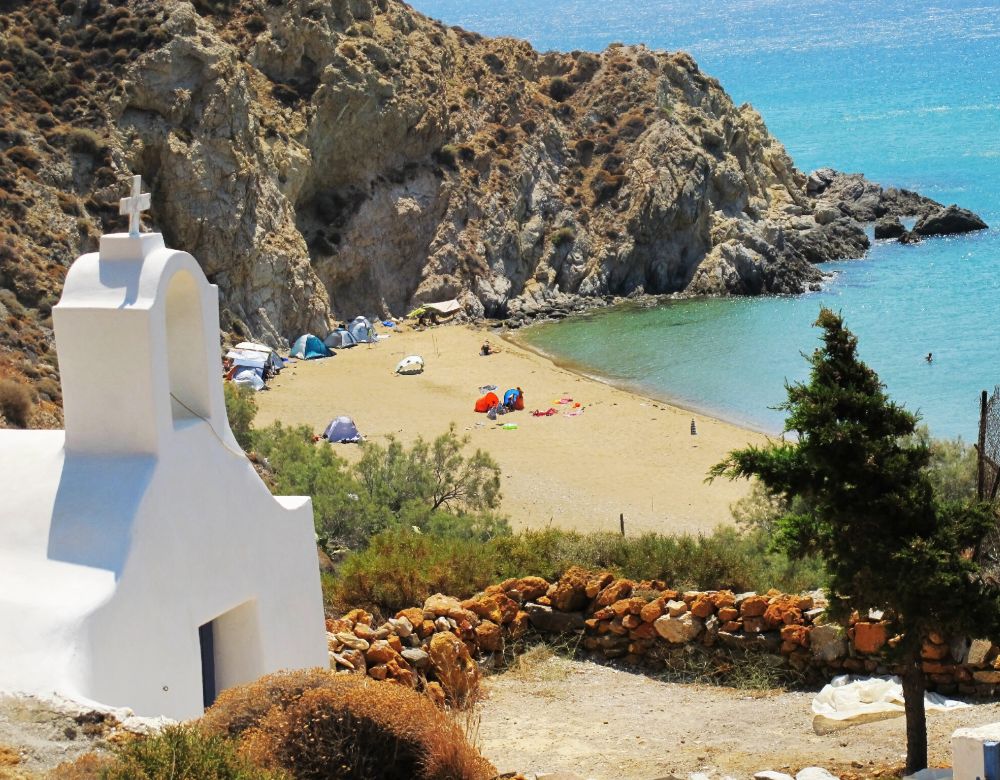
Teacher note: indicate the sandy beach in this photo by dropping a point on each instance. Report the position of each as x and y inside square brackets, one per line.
[623, 454]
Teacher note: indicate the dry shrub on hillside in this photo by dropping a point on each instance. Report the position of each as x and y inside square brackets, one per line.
[15, 402]
[244, 707]
[361, 731]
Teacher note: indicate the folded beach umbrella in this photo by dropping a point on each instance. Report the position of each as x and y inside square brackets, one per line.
[342, 430]
[414, 364]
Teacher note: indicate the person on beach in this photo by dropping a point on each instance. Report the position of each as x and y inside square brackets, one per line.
[488, 349]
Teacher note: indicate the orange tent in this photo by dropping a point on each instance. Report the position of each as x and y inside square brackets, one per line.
[487, 402]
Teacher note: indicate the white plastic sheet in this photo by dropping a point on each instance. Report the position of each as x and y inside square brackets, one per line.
[849, 701]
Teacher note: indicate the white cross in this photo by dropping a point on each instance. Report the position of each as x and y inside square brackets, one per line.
[134, 206]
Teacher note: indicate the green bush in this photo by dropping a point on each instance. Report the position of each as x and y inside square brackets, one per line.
[401, 568]
[433, 486]
[952, 469]
[563, 235]
[560, 89]
[183, 753]
[241, 408]
[15, 402]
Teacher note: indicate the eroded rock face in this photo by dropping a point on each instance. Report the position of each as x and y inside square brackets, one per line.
[326, 158]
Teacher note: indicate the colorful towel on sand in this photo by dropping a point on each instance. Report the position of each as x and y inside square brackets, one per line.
[547, 413]
[574, 413]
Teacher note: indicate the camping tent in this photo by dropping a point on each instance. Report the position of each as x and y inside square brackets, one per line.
[273, 358]
[246, 357]
[487, 402]
[339, 339]
[248, 376]
[414, 364]
[362, 330]
[342, 429]
[514, 399]
[308, 347]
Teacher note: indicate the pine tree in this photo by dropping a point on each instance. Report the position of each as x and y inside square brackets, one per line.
[888, 543]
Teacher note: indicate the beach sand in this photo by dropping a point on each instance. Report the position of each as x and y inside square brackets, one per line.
[624, 454]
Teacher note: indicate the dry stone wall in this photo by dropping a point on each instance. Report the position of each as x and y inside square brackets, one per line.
[442, 646]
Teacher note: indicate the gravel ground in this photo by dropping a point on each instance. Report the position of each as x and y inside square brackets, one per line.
[553, 714]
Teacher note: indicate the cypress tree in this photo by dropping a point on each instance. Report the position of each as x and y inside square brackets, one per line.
[871, 513]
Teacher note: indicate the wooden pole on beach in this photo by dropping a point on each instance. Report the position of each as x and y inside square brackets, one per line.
[621, 521]
[981, 450]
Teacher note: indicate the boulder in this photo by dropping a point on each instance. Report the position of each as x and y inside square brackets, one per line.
[547, 619]
[889, 227]
[948, 221]
[814, 773]
[528, 589]
[488, 636]
[978, 652]
[453, 666]
[676, 608]
[615, 591]
[828, 642]
[439, 604]
[416, 657]
[870, 637]
[570, 593]
[753, 606]
[679, 629]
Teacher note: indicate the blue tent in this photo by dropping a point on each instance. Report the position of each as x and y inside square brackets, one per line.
[340, 338]
[362, 330]
[308, 347]
[510, 398]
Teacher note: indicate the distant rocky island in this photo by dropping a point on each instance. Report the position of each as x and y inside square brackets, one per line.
[356, 156]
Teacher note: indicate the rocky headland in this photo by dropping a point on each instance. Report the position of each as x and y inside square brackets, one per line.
[322, 158]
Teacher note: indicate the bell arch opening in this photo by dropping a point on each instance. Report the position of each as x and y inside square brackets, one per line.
[187, 363]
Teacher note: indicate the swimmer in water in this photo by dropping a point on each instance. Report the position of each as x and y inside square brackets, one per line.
[929, 358]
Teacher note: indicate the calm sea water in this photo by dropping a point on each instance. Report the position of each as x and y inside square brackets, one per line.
[908, 93]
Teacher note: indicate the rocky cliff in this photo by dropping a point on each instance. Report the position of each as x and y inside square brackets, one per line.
[327, 157]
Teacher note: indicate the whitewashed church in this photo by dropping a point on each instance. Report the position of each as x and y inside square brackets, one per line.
[143, 563]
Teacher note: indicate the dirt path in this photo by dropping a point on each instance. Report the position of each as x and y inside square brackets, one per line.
[601, 723]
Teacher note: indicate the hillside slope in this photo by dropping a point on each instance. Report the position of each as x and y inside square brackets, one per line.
[322, 158]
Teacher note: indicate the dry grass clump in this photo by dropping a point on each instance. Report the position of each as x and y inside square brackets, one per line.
[15, 402]
[244, 707]
[360, 731]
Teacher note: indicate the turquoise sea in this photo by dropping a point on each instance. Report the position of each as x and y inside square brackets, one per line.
[906, 92]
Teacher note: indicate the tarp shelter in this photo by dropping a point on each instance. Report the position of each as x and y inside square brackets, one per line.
[308, 347]
[244, 357]
[413, 364]
[362, 330]
[487, 402]
[514, 398]
[343, 430]
[273, 358]
[444, 307]
[248, 376]
[340, 338]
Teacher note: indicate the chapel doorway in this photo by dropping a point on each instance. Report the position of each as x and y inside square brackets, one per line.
[230, 651]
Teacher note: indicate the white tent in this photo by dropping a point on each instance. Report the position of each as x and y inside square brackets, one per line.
[247, 376]
[414, 364]
[362, 330]
[273, 358]
[246, 357]
[342, 430]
